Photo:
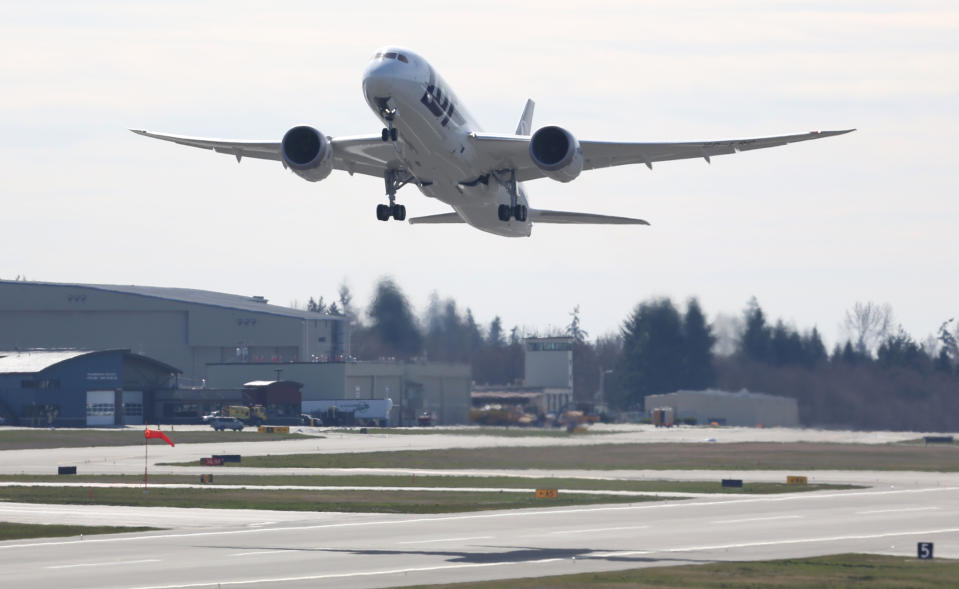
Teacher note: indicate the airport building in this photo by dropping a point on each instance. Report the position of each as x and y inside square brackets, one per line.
[220, 342]
[548, 384]
[442, 390]
[181, 327]
[77, 388]
[724, 408]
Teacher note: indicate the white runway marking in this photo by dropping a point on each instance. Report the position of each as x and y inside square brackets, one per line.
[542, 561]
[447, 540]
[98, 564]
[899, 510]
[490, 516]
[261, 552]
[756, 519]
[600, 530]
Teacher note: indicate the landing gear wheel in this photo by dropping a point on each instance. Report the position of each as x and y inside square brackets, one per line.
[386, 134]
[383, 212]
[503, 212]
[399, 212]
[519, 212]
[393, 134]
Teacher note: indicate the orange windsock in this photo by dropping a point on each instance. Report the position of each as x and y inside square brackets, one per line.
[155, 433]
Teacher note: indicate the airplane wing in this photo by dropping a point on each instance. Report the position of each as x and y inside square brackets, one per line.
[512, 151]
[541, 216]
[435, 219]
[365, 154]
[567, 218]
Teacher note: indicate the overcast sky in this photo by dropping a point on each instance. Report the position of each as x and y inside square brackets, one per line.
[808, 229]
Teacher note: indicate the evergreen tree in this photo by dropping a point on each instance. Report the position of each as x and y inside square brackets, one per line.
[392, 321]
[756, 340]
[574, 330]
[813, 350]
[698, 349]
[653, 352]
[315, 306]
[494, 337]
[474, 337]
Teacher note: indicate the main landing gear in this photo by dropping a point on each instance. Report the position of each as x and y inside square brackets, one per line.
[513, 210]
[394, 181]
[506, 212]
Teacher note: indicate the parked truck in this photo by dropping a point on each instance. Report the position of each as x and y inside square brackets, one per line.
[252, 415]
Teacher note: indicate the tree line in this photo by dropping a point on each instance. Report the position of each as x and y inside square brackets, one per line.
[878, 377]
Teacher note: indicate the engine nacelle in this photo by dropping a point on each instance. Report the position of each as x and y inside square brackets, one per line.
[555, 151]
[308, 153]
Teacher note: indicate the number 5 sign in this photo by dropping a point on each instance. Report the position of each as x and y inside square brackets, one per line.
[925, 550]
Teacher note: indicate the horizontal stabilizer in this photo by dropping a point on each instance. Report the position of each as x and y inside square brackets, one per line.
[541, 216]
[442, 218]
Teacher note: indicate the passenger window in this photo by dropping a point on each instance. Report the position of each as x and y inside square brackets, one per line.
[389, 55]
[402, 58]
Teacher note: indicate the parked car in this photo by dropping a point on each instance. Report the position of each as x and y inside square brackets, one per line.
[222, 423]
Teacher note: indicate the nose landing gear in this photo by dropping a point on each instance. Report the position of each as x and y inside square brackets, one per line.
[389, 133]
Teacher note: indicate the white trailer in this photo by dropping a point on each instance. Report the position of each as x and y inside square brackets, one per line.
[364, 411]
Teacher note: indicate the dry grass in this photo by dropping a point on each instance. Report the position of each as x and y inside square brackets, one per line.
[844, 570]
[799, 457]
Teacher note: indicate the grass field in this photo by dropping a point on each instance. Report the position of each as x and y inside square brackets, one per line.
[504, 482]
[843, 570]
[333, 500]
[14, 531]
[26, 439]
[799, 457]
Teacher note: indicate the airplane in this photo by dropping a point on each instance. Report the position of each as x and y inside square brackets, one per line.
[430, 140]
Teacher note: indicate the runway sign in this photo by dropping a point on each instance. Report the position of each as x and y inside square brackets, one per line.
[66, 470]
[796, 480]
[228, 457]
[206, 478]
[547, 493]
[214, 461]
[732, 482]
[925, 551]
[273, 429]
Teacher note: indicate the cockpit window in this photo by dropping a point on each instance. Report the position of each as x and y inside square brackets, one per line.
[402, 58]
[389, 55]
[378, 55]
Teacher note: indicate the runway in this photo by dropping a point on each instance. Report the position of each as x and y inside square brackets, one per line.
[240, 548]
[273, 549]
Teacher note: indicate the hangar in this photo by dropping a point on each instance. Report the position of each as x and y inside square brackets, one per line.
[182, 327]
[743, 408]
[76, 388]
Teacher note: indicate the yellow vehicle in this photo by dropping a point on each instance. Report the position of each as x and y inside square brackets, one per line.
[254, 415]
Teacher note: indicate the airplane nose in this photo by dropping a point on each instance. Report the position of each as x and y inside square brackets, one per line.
[378, 76]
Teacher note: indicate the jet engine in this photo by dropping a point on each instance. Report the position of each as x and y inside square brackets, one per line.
[308, 153]
[555, 151]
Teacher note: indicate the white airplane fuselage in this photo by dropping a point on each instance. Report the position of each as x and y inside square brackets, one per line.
[433, 130]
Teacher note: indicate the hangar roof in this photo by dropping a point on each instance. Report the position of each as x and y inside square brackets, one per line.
[742, 394]
[31, 361]
[255, 304]
[35, 360]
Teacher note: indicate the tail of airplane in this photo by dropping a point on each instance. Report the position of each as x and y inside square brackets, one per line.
[525, 126]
